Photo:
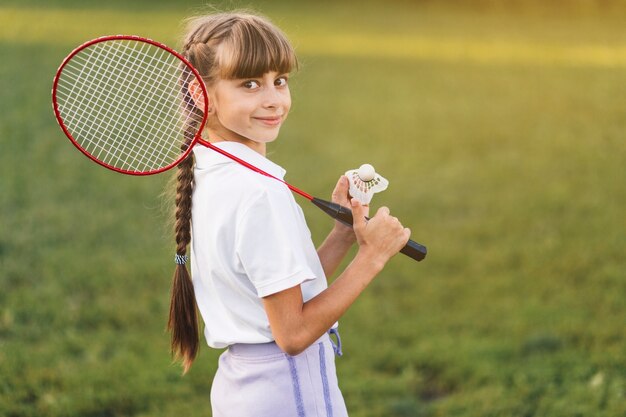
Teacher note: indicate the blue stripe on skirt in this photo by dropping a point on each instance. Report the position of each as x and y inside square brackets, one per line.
[263, 381]
[296, 386]
[327, 400]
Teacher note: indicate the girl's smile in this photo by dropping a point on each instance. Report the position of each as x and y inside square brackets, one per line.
[270, 121]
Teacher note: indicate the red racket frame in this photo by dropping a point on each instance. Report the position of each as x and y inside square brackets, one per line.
[196, 139]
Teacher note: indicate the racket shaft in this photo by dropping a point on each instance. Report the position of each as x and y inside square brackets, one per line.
[412, 249]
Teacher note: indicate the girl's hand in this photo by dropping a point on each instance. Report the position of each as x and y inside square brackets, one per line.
[380, 237]
[341, 196]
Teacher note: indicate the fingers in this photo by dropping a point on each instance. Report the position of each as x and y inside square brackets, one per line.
[358, 214]
[383, 210]
[340, 192]
[342, 184]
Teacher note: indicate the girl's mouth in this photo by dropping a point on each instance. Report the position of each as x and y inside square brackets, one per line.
[270, 121]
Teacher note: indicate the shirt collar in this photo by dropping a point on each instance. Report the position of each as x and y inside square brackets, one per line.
[206, 158]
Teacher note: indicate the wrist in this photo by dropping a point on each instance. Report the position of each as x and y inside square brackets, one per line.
[343, 233]
[372, 261]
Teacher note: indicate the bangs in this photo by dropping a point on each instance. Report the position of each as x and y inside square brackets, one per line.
[254, 49]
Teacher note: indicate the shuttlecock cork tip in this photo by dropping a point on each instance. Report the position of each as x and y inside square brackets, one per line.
[366, 172]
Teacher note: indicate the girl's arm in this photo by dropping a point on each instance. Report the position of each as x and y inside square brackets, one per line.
[334, 248]
[341, 238]
[295, 324]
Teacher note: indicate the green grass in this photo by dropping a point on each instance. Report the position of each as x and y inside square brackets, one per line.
[509, 167]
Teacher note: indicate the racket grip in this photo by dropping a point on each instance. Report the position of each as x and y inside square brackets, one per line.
[412, 249]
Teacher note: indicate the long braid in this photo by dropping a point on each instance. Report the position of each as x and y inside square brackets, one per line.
[183, 317]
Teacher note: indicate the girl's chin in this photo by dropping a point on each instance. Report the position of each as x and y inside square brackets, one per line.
[254, 136]
[264, 137]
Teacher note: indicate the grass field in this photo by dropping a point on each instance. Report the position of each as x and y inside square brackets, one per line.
[503, 135]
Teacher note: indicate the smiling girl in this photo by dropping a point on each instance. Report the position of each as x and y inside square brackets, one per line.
[258, 281]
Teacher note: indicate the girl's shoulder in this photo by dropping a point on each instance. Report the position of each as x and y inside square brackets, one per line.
[235, 181]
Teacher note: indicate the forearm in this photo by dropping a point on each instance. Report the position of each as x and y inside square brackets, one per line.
[295, 324]
[322, 311]
[296, 331]
[334, 248]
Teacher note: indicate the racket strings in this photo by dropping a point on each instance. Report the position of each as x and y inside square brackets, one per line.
[159, 98]
[114, 131]
[124, 99]
[103, 97]
[130, 69]
[125, 107]
[122, 103]
[103, 117]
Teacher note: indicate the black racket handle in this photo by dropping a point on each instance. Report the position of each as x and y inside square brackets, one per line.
[344, 215]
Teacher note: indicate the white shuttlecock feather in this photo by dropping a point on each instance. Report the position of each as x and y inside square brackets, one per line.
[365, 182]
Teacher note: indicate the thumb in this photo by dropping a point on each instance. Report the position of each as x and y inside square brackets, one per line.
[342, 184]
[341, 189]
[358, 213]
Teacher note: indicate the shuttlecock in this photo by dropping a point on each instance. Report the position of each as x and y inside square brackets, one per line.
[364, 182]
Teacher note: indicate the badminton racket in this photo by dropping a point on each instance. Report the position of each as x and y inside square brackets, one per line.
[124, 102]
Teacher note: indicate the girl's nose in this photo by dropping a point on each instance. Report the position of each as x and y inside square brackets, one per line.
[272, 98]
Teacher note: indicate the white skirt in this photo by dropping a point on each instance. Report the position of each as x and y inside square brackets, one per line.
[262, 381]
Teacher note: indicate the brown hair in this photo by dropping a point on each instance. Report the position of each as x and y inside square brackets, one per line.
[227, 46]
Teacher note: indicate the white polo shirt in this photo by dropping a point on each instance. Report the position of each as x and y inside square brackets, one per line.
[249, 240]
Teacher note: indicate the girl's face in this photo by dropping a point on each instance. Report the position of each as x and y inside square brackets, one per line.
[249, 109]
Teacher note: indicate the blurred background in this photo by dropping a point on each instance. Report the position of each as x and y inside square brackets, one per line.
[501, 126]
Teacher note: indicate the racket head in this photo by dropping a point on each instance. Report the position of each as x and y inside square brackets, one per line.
[121, 101]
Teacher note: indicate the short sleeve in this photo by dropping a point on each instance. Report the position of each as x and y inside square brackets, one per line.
[270, 243]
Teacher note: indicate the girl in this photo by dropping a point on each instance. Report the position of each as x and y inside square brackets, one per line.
[258, 281]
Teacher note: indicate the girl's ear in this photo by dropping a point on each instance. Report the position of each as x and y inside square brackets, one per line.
[195, 91]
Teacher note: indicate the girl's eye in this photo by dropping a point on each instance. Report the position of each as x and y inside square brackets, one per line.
[281, 82]
[251, 84]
